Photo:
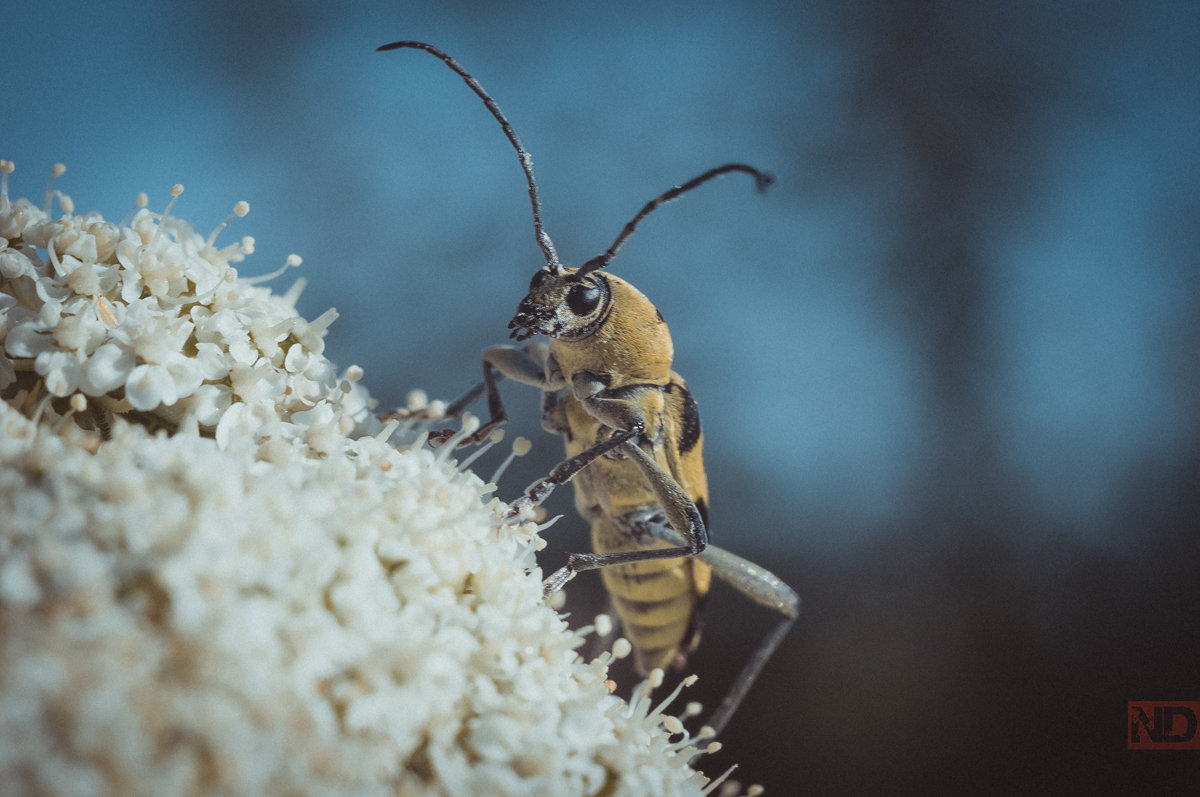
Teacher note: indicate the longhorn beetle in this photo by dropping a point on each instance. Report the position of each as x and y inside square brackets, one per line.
[633, 441]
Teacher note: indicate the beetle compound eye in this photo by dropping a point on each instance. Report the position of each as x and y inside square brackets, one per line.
[582, 299]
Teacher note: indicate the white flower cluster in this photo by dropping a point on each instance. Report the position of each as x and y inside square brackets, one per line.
[149, 316]
[268, 601]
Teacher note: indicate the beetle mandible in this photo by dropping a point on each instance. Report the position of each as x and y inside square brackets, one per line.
[633, 441]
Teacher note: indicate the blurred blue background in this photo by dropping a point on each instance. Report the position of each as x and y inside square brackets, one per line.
[947, 366]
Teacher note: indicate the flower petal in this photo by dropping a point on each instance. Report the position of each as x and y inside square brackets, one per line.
[149, 386]
[107, 369]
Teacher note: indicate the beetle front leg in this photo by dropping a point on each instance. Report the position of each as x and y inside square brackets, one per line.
[496, 412]
[531, 366]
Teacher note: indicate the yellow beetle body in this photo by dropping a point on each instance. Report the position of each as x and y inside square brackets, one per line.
[657, 600]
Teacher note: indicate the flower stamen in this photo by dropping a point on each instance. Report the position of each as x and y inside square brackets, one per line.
[7, 167]
[77, 403]
[495, 437]
[520, 447]
[470, 423]
[240, 210]
[57, 170]
[140, 201]
[291, 261]
[420, 442]
[176, 191]
[691, 679]
[710, 788]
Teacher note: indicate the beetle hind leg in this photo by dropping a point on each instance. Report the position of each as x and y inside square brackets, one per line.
[764, 588]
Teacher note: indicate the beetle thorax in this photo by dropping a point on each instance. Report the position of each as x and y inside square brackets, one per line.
[631, 345]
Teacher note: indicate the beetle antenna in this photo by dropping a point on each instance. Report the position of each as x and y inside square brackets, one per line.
[543, 240]
[761, 181]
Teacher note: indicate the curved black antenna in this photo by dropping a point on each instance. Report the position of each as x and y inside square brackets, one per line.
[761, 181]
[543, 240]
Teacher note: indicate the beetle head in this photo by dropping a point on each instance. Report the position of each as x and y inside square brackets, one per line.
[562, 303]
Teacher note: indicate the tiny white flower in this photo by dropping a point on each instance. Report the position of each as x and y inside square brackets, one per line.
[15, 264]
[258, 382]
[81, 332]
[244, 422]
[61, 370]
[155, 336]
[18, 584]
[105, 234]
[50, 314]
[149, 386]
[214, 361]
[92, 279]
[298, 359]
[108, 368]
[312, 335]
[186, 372]
[37, 229]
[25, 337]
[208, 403]
[63, 265]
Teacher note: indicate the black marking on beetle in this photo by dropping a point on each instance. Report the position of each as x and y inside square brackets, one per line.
[646, 607]
[648, 630]
[689, 435]
[653, 653]
[625, 391]
[631, 574]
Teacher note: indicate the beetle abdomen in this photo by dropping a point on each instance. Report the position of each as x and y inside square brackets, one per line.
[657, 600]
